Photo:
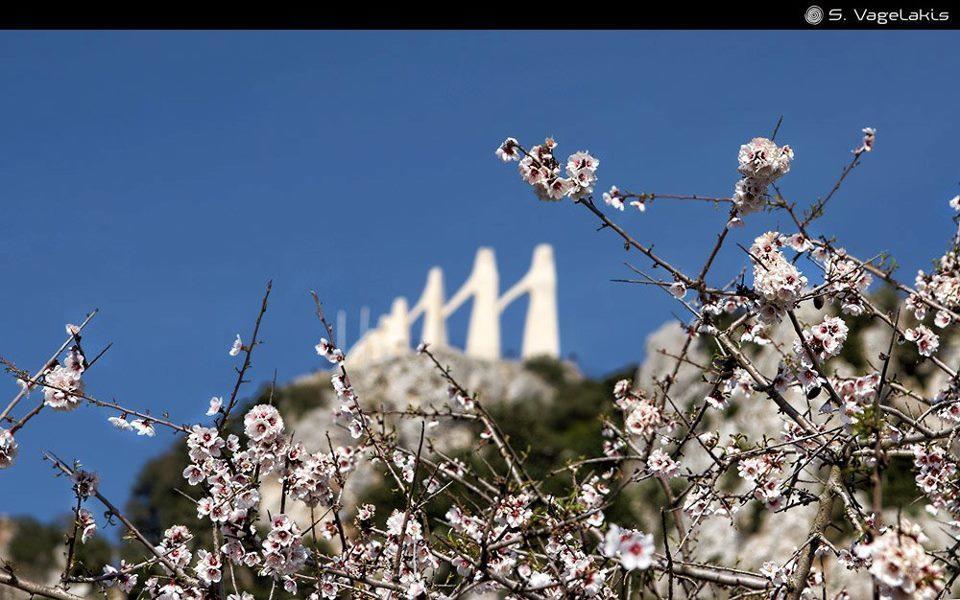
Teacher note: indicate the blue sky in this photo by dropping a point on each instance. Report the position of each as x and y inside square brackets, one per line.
[166, 176]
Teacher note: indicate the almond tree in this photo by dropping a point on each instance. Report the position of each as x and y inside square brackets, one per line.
[504, 533]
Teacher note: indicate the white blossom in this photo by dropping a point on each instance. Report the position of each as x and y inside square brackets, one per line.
[900, 565]
[660, 463]
[120, 423]
[236, 347]
[63, 386]
[508, 150]
[216, 403]
[143, 427]
[634, 549]
[613, 198]
[124, 580]
[86, 525]
[8, 448]
[926, 340]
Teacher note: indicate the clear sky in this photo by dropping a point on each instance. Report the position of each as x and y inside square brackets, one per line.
[166, 176]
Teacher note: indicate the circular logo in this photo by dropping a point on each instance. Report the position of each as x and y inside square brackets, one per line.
[814, 15]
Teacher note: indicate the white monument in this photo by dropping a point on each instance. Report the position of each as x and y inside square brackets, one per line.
[541, 332]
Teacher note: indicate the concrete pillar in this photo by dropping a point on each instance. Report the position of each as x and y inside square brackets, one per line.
[541, 332]
[397, 329]
[483, 334]
[434, 323]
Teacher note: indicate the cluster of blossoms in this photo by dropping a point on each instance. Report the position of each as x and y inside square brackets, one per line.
[176, 554]
[540, 169]
[592, 495]
[661, 464]
[809, 380]
[948, 398]
[173, 546]
[348, 409]
[209, 567]
[283, 551]
[776, 280]
[578, 574]
[634, 549]
[329, 351]
[406, 463]
[613, 444]
[581, 575]
[926, 340]
[777, 574]
[761, 163]
[310, 477]
[642, 417]
[939, 288]
[936, 477]
[900, 565]
[263, 424]
[122, 578]
[718, 305]
[845, 281]
[857, 394]
[63, 387]
[824, 340]
[232, 482]
[762, 473]
[405, 542]
[514, 511]
[345, 393]
[702, 503]
[615, 198]
[738, 383]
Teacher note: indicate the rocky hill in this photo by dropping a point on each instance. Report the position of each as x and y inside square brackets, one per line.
[412, 383]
